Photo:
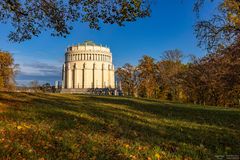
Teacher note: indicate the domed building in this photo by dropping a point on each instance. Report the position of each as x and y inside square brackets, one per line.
[87, 65]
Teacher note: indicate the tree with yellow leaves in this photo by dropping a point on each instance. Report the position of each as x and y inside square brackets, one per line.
[8, 70]
[147, 75]
[223, 29]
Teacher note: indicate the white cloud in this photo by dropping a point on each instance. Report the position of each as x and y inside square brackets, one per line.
[40, 69]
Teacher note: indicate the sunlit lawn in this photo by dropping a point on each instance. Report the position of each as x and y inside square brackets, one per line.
[65, 126]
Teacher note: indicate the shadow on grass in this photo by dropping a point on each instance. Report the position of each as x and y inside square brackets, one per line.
[136, 121]
[210, 116]
[135, 129]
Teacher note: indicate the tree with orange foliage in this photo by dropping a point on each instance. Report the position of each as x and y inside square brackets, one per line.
[147, 76]
[8, 70]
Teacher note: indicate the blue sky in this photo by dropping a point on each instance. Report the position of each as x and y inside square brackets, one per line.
[170, 26]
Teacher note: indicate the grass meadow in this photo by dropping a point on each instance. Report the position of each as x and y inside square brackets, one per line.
[71, 126]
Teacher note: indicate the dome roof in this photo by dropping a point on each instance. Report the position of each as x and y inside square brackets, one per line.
[88, 43]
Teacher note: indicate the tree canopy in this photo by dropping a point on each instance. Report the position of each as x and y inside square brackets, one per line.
[222, 29]
[30, 17]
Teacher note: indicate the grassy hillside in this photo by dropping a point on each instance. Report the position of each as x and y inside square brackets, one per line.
[64, 126]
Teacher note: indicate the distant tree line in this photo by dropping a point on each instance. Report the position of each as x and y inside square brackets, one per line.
[35, 86]
[211, 80]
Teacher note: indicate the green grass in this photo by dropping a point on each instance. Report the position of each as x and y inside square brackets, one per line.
[71, 126]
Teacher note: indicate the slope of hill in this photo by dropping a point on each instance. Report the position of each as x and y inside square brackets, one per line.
[65, 126]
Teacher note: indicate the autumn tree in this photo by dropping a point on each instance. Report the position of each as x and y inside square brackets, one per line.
[214, 79]
[128, 77]
[147, 76]
[168, 69]
[218, 72]
[223, 29]
[194, 81]
[30, 17]
[8, 70]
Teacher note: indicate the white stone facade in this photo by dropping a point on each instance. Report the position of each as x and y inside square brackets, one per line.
[88, 65]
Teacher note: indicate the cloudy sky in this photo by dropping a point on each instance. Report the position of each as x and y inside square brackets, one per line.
[170, 26]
